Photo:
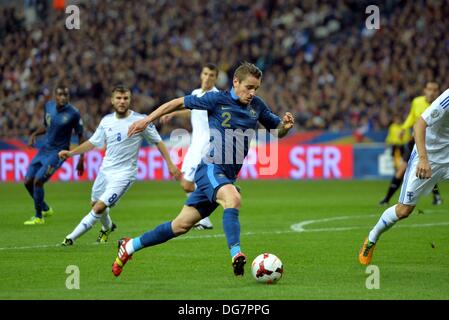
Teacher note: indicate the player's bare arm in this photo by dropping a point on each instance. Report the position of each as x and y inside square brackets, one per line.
[42, 129]
[174, 171]
[286, 124]
[39, 131]
[184, 114]
[82, 148]
[80, 165]
[423, 170]
[166, 108]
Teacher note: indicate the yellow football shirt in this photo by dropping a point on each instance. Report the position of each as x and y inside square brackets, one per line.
[419, 104]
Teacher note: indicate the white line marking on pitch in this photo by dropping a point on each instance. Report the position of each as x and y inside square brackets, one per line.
[297, 227]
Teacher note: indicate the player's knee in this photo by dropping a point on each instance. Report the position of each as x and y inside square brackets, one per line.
[38, 182]
[403, 210]
[29, 182]
[99, 207]
[233, 201]
[180, 227]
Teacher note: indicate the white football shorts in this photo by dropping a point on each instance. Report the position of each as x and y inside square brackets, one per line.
[413, 187]
[110, 188]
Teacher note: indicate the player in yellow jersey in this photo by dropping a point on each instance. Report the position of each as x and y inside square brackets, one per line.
[397, 140]
[419, 104]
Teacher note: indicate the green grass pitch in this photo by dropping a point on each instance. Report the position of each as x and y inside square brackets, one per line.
[320, 262]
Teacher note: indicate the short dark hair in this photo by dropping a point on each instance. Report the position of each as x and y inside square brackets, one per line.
[61, 85]
[246, 69]
[121, 89]
[212, 67]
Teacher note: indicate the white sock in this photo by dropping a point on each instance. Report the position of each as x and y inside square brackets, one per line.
[130, 247]
[206, 221]
[386, 221]
[86, 224]
[106, 220]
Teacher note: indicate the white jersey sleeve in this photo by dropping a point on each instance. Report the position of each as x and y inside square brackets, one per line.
[437, 109]
[437, 133]
[151, 135]
[98, 139]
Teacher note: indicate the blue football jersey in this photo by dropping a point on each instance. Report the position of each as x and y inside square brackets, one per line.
[229, 121]
[59, 125]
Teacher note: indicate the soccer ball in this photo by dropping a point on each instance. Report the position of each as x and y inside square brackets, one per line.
[267, 268]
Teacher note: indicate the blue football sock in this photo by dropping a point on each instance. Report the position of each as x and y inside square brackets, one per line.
[38, 200]
[160, 234]
[234, 250]
[231, 226]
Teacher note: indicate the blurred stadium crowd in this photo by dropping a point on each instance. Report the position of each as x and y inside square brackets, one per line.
[319, 60]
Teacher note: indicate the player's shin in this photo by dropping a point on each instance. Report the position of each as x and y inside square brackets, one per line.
[38, 196]
[160, 234]
[86, 224]
[231, 226]
[386, 221]
[106, 220]
[395, 184]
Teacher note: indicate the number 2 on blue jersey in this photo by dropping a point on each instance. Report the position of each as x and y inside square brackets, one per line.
[227, 118]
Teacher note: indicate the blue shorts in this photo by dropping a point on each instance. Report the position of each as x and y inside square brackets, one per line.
[43, 165]
[208, 179]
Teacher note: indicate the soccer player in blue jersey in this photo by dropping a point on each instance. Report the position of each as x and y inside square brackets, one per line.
[228, 112]
[60, 119]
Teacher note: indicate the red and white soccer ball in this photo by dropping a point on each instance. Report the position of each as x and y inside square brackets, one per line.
[267, 268]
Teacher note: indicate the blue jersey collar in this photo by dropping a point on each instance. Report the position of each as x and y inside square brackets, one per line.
[233, 95]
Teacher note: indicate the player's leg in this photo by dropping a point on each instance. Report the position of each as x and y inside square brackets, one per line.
[31, 174]
[162, 233]
[86, 223]
[104, 195]
[107, 226]
[218, 188]
[189, 166]
[387, 220]
[50, 163]
[437, 200]
[395, 183]
[412, 189]
[29, 186]
[104, 204]
[98, 189]
[229, 198]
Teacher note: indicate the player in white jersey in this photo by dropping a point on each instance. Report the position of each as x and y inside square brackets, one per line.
[119, 168]
[428, 165]
[199, 144]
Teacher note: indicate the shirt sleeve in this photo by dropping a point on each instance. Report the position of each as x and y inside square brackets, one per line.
[151, 135]
[98, 139]
[390, 136]
[437, 109]
[267, 118]
[205, 102]
[411, 119]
